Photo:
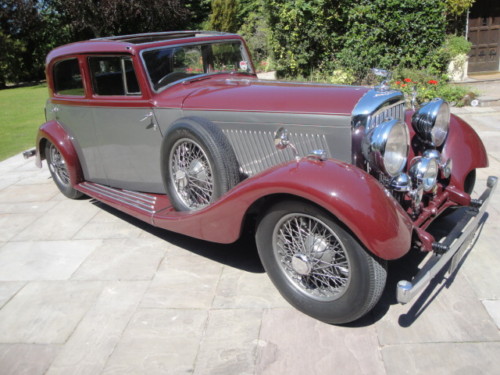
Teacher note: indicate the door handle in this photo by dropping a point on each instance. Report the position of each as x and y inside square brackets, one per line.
[148, 116]
[152, 124]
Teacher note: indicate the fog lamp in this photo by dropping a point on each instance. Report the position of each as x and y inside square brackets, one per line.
[424, 172]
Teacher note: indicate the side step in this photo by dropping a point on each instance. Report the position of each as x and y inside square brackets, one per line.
[141, 205]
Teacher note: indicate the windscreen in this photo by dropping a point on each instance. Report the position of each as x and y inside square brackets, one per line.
[170, 64]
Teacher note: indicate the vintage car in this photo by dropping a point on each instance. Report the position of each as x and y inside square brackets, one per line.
[176, 129]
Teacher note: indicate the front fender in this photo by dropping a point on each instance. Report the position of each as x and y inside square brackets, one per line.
[55, 133]
[354, 197]
[465, 148]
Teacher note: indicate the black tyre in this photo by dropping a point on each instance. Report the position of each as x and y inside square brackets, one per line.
[59, 171]
[317, 265]
[198, 164]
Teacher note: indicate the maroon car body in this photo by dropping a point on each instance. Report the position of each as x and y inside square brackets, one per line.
[355, 191]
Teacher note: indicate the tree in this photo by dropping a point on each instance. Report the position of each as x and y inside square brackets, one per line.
[224, 16]
[98, 18]
[200, 11]
[24, 42]
[305, 34]
[392, 33]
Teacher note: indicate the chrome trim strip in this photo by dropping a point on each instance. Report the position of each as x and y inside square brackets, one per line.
[142, 201]
[457, 237]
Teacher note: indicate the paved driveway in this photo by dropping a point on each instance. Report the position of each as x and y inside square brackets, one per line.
[85, 289]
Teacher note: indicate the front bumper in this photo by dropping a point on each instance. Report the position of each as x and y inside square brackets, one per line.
[450, 246]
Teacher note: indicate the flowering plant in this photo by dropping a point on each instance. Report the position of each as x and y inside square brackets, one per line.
[428, 88]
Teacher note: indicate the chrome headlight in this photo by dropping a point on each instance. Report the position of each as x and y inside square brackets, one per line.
[431, 122]
[386, 147]
[424, 172]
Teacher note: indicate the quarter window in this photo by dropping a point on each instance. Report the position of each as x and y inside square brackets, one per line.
[113, 75]
[68, 78]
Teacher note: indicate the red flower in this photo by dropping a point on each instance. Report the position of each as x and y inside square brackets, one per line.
[398, 82]
[407, 79]
[403, 85]
[433, 82]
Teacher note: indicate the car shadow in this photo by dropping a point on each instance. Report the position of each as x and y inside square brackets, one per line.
[407, 267]
[241, 254]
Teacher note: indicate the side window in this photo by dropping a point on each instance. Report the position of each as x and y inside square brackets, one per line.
[113, 75]
[68, 78]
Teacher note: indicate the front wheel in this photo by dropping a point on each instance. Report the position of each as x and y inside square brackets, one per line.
[317, 265]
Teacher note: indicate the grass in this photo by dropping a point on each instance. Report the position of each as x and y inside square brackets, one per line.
[21, 113]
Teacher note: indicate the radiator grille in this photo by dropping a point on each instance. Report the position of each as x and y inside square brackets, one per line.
[255, 150]
[395, 111]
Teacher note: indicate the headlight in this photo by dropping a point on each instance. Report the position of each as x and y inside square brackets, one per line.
[431, 122]
[424, 172]
[386, 147]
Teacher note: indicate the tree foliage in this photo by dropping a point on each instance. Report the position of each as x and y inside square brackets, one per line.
[224, 16]
[392, 33]
[29, 29]
[355, 36]
[255, 29]
[97, 18]
[304, 34]
[458, 7]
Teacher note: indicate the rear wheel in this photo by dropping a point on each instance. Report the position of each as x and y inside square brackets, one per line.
[317, 265]
[59, 171]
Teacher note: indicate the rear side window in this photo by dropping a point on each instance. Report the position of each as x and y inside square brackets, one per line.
[68, 78]
[113, 75]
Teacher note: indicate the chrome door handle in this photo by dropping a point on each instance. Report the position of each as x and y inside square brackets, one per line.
[152, 124]
[148, 116]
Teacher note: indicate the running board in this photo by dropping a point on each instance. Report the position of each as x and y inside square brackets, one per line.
[142, 205]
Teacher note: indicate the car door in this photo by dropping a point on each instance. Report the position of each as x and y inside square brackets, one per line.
[129, 139]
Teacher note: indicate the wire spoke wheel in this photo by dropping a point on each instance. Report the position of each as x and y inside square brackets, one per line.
[311, 256]
[60, 172]
[316, 263]
[191, 173]
[57, 165]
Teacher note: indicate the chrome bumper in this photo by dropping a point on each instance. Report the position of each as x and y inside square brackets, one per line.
[458, 236]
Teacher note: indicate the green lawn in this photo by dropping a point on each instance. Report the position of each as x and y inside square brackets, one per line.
[21, 113]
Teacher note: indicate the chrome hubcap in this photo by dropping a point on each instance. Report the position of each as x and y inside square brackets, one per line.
[192, 174]
[311, 256]
[301, 264]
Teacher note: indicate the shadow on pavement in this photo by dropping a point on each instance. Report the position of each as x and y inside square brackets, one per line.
[241, 254]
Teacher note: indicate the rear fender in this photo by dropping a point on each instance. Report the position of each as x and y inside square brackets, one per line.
[55, 133]
[465, 148]
[354, 197]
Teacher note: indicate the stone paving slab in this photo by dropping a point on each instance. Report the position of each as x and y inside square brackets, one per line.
[442, 358]
[85, 289]
[293, 343]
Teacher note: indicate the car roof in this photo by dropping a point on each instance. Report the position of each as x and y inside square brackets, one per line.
[134, 43]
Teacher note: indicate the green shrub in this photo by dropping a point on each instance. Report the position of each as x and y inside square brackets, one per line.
[355, 36]
[255, 31]
[391, 33]
[305, 33]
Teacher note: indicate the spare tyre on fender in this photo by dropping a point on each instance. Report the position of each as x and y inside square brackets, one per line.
[198, 164]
